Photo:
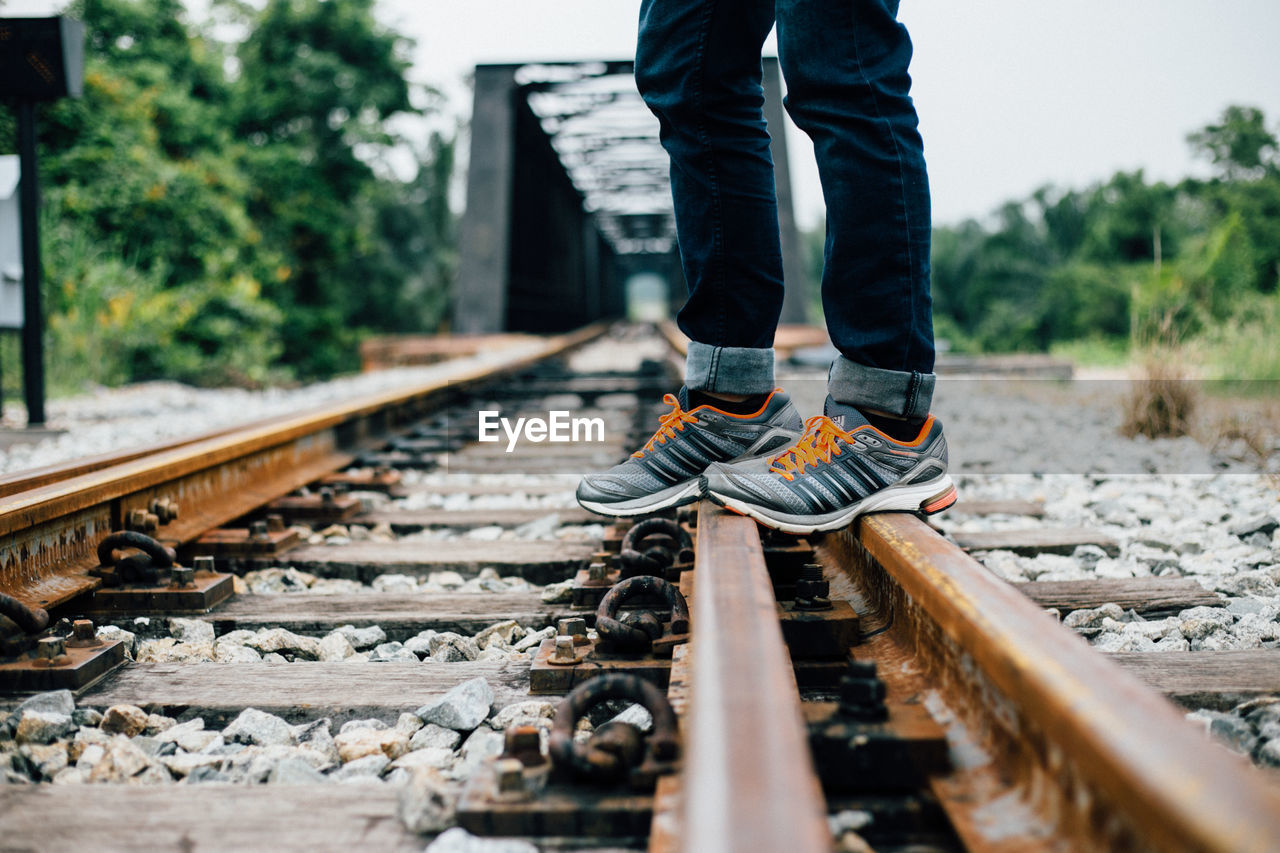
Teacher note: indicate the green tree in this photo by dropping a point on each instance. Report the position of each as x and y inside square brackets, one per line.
[1239, 143]
[317, 83]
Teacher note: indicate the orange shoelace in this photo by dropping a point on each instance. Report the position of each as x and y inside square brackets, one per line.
[671, 423]
[817, 444]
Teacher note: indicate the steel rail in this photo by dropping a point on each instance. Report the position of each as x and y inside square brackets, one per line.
[49, 534]
[748, 782]
[1099, 757]
[33, 478]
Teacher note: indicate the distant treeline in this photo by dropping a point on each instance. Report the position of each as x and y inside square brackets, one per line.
[223, 212]
[1127, 260]
[1099, 270]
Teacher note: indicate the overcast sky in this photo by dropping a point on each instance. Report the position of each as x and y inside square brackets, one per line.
[1011, 94]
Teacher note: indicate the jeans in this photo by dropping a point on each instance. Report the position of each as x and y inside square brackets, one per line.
[698, 68]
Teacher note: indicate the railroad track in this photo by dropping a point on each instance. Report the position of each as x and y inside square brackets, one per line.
[877, 687]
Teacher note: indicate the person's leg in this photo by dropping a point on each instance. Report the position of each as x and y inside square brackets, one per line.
[845, 63]
[876, 448]
[698, 68]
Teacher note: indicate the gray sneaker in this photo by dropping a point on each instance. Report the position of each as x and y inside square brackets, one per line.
[840, 469]
[667, 471]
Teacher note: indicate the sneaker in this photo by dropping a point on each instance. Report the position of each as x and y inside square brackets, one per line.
[667, 471]
[842, 467]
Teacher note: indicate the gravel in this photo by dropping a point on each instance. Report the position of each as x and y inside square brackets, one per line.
[106, 420]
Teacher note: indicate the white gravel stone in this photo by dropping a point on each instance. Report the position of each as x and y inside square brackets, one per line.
[316, 736]
[169, 650]
[285, 642]
[558, 593]
[232, 653]
[446, 580]
[458, 840]
[427, 803]
[392, 651]
[49, 759]
[403, 584]
[363, 638]
[502, 634]
[359, 743]
[258, 727]
[191, 630]
[462, 708]
[127, 720]
[276, 581]
[353, 725]
[294, 771]
[43, 727]
[370, 766]
[532, 640]
[433, 736]
[420, 644]
[335, 646]
[52, 702]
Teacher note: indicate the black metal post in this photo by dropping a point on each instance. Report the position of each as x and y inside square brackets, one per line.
[32, 310]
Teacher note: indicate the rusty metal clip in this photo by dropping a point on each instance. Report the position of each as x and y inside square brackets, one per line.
[33, 620]
[620, 751]
[637, 632]
[135, 568]
[635, 558]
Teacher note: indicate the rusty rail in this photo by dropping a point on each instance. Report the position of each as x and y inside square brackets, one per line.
[1100, 760]
[748, 783]
[49, 534]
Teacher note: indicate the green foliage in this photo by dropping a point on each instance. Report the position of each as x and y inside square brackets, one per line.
[229, 227]
[1239, 143]
[1244, 347]
[112, 322]
[1125, 260]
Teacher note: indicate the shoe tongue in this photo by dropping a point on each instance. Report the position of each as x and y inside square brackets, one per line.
[845, 416]
[683, 396]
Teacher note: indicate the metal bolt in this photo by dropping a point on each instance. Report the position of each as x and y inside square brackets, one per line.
[597, 572]
[812, 590]
[82, 629]
[259, 530]
[573, 626]
[141, 520]
[509, 775]
[275, 522]
[182, 577]
[862, 693]
[164, 509]
[51, 647]
[524, 743]
[203, 563]
[564, 653]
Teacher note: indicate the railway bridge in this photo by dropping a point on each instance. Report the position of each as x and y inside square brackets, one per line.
[568, 213]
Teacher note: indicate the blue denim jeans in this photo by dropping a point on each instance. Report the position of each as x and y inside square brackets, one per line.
[698, 68]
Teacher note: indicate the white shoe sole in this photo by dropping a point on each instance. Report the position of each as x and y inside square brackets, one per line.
[913, 498]
[677, 495]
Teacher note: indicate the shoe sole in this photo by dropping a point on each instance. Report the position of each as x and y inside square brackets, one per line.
[678, 495]
[924, 498]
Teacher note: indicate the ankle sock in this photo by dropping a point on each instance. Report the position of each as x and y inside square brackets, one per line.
[749, 406]
[898, 429]
[851, 417]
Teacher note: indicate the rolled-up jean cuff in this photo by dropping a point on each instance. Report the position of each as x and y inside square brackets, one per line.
[728, 370]
[904, 393]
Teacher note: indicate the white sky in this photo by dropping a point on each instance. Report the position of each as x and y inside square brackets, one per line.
[1011, 94]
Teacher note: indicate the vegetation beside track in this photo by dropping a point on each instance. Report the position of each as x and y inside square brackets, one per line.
[223, 213]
